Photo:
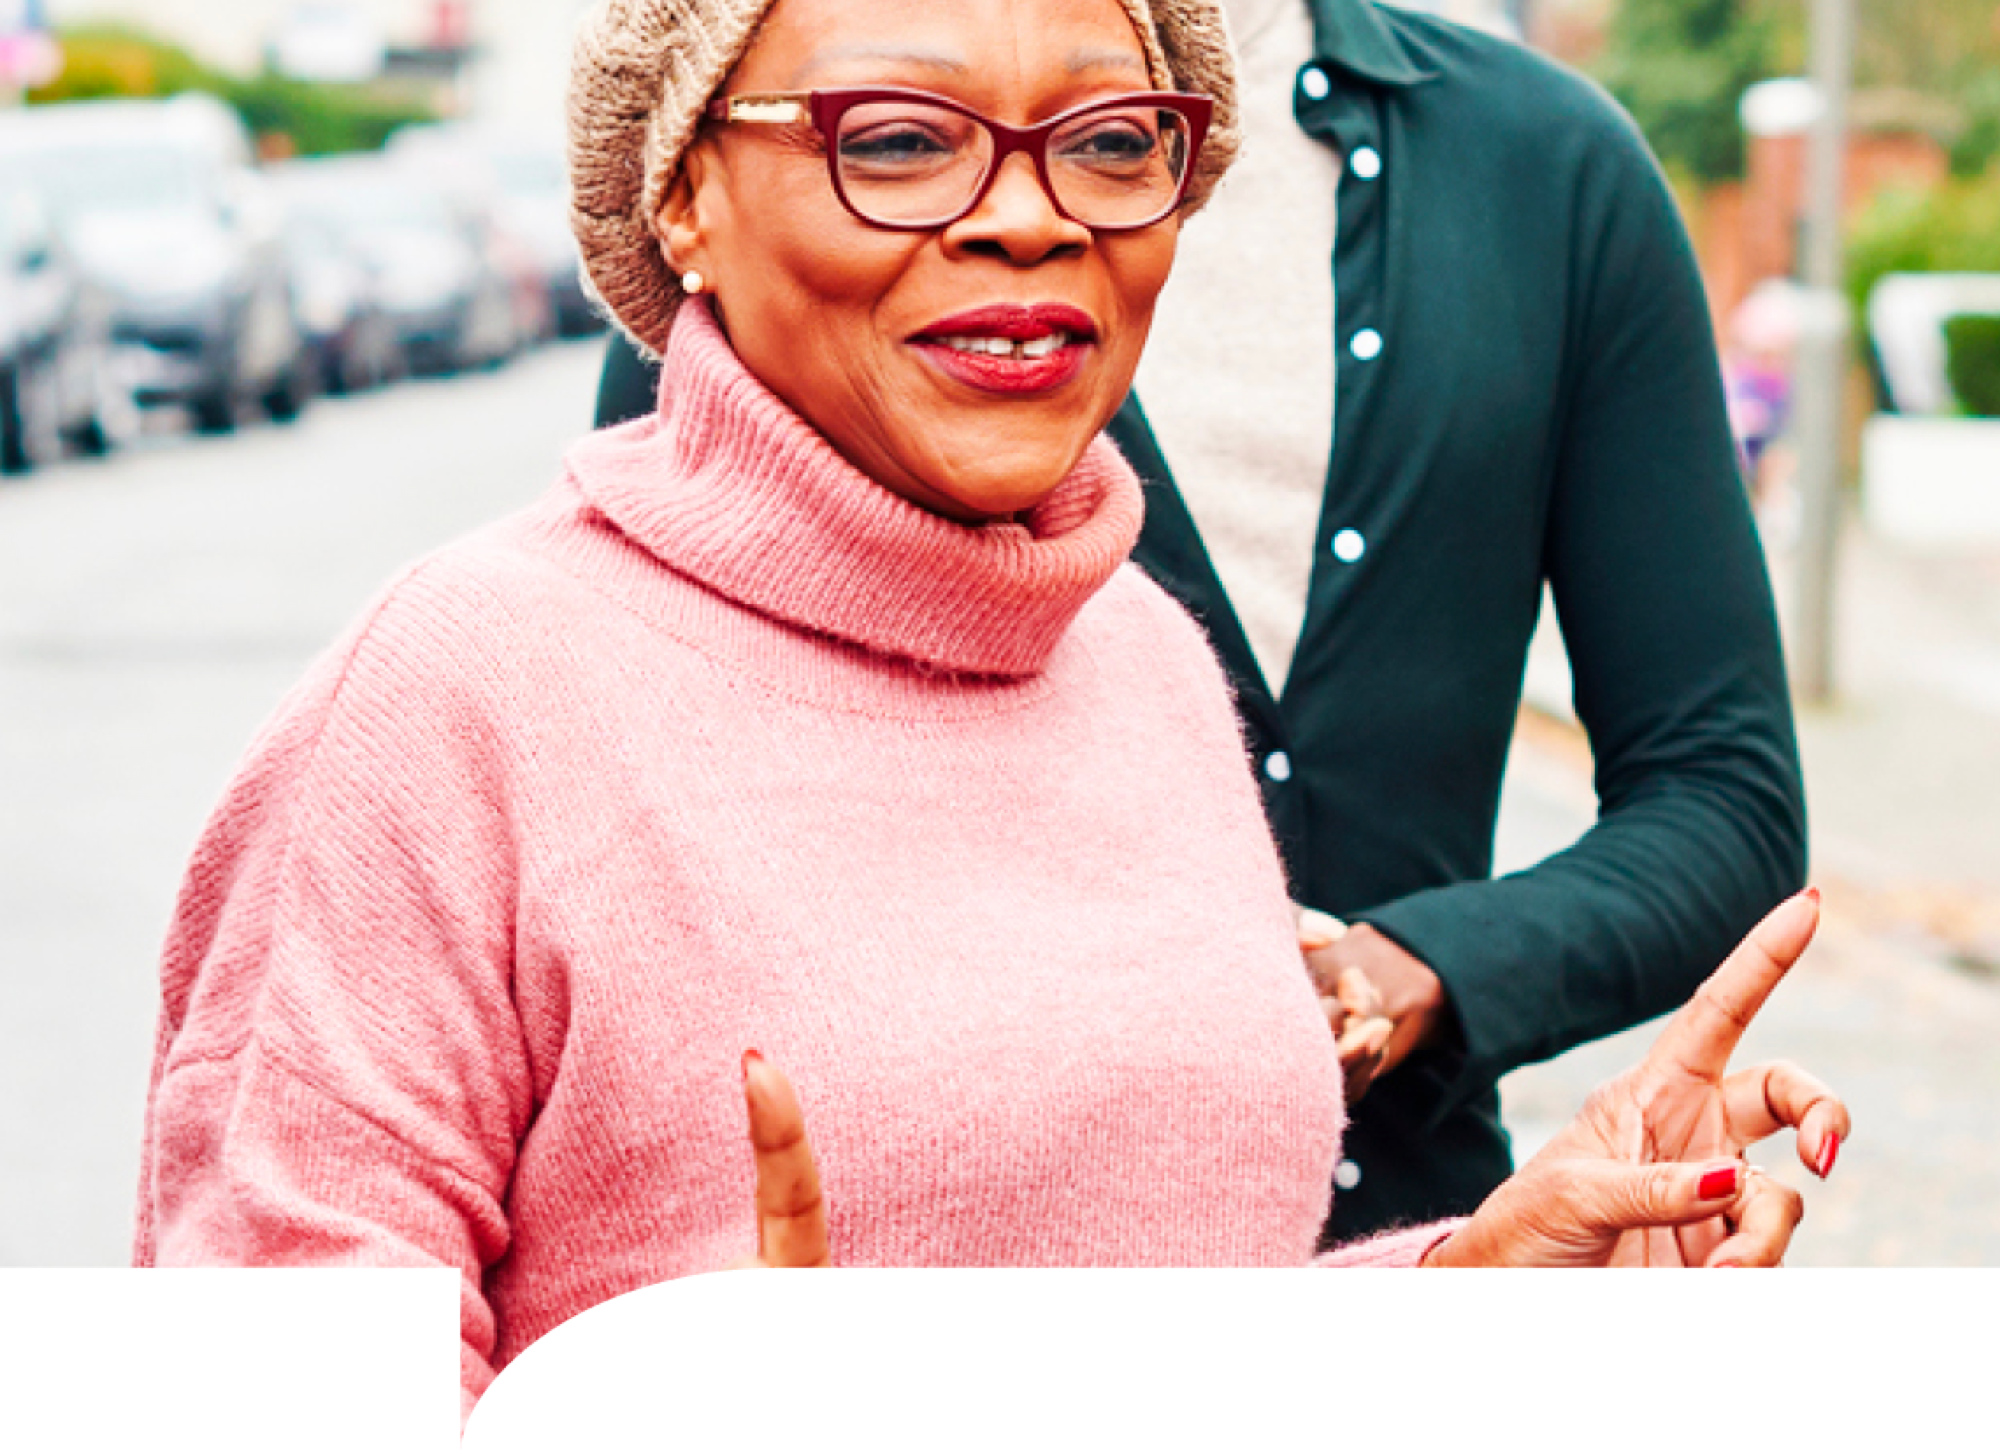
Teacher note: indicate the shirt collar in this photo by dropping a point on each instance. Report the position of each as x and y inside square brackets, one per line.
[1356, 36]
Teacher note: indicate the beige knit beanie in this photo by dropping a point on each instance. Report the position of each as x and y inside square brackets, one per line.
[643, 71]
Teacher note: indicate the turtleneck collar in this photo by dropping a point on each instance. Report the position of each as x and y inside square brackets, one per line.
[727, 485]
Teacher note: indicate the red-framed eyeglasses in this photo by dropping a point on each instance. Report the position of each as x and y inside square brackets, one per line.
[913, 162]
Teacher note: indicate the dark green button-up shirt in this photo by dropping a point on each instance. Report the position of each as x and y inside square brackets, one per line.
[1527, 393]
[1534, 399]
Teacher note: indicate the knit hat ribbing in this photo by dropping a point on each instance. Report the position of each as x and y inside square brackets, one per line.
[642, 74]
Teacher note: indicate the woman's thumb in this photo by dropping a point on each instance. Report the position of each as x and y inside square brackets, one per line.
[1624, 1197]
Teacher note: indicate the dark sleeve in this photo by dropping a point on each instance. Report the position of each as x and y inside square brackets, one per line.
[629, 386]
[1665, 605]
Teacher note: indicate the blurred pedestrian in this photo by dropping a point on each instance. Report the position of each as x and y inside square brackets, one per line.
[816, 712]
[1762, 350]
[1360, 477]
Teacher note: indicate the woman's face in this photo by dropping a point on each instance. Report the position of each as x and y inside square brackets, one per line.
[846, 321]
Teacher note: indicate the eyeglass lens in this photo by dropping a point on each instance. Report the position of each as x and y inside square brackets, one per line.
[908, 163]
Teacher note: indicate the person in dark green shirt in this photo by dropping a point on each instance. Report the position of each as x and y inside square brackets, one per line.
[1527, 395]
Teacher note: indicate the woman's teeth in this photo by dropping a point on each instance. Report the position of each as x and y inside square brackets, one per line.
[1040, 347]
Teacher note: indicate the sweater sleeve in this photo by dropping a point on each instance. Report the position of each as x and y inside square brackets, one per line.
[1399, 1249]
[341, 1077]
[1660, 586]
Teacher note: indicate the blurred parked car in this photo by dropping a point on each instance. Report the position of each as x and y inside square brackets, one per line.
[157, 202]
[448, 304]
[58, 383]
[352, 338]
[520, 182]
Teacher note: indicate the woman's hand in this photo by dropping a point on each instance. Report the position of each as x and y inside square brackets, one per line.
[791, 1213]
[1651, 1173]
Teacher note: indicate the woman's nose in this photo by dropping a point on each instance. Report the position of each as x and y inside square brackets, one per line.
[1017, 219]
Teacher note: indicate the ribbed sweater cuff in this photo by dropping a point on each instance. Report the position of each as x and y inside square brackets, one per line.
[1401, 1249]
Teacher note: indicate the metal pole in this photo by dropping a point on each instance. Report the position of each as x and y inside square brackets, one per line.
[1822, 360]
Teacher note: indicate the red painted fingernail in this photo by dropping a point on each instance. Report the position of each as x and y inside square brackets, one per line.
[750, 1055]
[1720, 1183]
[1813, 892]
[1727, 1265]
[1829, 1151]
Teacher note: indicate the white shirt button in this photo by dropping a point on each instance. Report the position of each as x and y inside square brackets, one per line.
[1366, 162]
[1349, 546]
[1315, 83]
[1347, 1175]
[1278, 766]
[1366, 345]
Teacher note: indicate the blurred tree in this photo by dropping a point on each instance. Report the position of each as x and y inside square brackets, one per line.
[1944, 48]
[102, 62]
[1681, 67]
[321, 120]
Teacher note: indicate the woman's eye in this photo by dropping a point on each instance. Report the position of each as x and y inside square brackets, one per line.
[1112, 142]
[892, 144]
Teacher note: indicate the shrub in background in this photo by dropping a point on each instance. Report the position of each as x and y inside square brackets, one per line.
[1955, 228]
[107, 62]
[104, 62]
[1972, 363]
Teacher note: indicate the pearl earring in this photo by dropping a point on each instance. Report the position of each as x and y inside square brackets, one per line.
[692, 282]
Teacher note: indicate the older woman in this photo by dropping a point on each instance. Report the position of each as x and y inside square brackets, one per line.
[816, 713]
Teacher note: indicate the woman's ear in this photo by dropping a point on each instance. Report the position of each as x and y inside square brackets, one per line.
[680, 224]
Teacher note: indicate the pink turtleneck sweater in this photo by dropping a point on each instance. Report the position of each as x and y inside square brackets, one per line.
[725, 746]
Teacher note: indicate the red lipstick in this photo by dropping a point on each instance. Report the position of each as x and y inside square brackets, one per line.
[1025, 370]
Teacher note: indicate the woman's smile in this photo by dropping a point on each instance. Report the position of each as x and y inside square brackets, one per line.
[1011, 350]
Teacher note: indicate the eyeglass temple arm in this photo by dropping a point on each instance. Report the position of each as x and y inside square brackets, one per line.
[769, 108]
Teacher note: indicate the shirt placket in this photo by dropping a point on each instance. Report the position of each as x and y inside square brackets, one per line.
[1348, 116]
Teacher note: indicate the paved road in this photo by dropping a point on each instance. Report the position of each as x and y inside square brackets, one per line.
[154, 609]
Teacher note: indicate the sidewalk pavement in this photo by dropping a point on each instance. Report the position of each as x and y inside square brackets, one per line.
[1898, 1003]
[1903, 766]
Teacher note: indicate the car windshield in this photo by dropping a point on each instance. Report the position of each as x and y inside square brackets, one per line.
[372, 207]
[113, 176]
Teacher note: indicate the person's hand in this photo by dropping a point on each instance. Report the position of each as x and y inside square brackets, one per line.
[1353, 1007]
[1651, 1172]
[1382, 1002]
[791, 1212]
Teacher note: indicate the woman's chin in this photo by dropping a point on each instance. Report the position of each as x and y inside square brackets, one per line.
[984, 499]
[991, 477]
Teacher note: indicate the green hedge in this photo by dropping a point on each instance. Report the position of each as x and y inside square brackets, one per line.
[321, 120]
[1955, 228]
[1972, 363]
[108, 61]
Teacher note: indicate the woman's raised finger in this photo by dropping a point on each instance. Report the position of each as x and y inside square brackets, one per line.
[1766, 1214]
[1762, 1100]
[791, 1211]
[1700, 1037]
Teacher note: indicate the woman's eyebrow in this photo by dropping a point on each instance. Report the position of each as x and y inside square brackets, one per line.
[901, 55]
[1105, 59]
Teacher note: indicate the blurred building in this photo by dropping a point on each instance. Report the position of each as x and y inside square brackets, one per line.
[502, 60]
[1573, 31]
[1749, 232]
